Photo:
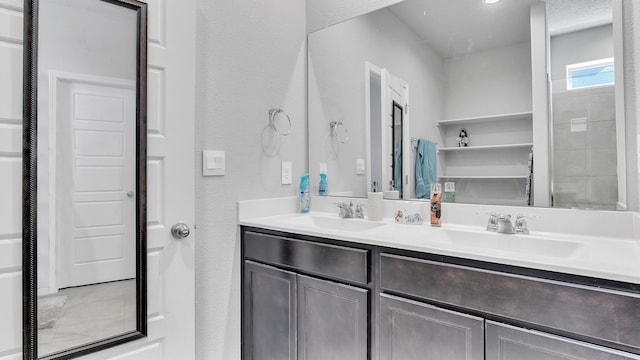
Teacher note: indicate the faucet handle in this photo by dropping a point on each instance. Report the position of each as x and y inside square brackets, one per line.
[342, 206]
[492, 223]
[521, 223]
[359, 213]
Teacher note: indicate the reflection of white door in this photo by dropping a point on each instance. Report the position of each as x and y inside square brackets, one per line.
[95, 182]
[395, 89]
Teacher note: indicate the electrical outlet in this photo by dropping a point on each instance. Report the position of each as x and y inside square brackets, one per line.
[287, 176]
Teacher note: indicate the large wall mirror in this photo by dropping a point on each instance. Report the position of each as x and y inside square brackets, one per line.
[513, 103]
[84, 210]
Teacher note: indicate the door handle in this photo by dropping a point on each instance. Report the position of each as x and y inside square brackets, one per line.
[180, 230]
[130, 194]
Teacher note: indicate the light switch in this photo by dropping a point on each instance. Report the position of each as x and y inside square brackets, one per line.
[287, 169]
[360, 167]
[213, 163]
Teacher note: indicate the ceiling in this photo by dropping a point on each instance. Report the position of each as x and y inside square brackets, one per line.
[457, 27]
[570, 15]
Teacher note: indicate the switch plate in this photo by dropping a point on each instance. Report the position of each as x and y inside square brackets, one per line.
[360, 167]
[287, 169]
[323, 168]
[213, 163]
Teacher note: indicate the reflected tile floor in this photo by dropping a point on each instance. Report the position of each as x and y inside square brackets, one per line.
[91, 313]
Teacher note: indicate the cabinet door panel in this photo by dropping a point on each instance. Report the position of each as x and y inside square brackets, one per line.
[332, 320]
[506, 342]
[413, 330]
[269, 313]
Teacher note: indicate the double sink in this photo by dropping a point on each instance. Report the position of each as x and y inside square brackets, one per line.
[456, 237]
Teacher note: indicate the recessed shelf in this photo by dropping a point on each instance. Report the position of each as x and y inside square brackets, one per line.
[488, 147]
[483, 177]
[489, 118]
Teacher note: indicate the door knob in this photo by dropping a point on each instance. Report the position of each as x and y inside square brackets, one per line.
[130, 194]
[180, 230]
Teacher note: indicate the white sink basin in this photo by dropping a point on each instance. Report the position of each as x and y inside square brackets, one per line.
[523, 244]
[334, 223]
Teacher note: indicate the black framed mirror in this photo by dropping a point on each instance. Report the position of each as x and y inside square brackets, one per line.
[84, 176]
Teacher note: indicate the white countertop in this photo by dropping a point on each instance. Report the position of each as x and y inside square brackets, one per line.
[594, 256]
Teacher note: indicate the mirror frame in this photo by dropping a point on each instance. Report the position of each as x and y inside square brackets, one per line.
[395, 107]
[29, 186]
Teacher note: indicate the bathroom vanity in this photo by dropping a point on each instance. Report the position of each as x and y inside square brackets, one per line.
[327, 297]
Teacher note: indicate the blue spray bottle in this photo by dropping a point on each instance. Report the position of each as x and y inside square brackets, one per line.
[305, 197]
[322, 188]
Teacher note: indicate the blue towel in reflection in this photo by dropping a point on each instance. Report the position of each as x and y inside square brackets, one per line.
[397, 170]
[426, 168]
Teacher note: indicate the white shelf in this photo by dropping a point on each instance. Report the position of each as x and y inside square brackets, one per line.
[490, 118]
[487, 147]
[484, 177]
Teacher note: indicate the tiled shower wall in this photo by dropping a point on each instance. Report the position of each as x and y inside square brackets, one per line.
[584, 170]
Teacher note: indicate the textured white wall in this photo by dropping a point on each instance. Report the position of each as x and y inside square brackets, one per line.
[251, 56]
[496, 81]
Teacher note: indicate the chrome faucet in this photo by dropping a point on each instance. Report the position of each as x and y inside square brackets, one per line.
[501, 223]
[521, 225]
[504, 224]
[346, 210]
[359, 213]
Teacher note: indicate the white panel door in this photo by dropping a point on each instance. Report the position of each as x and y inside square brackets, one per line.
[10, 178]
[97, 237]
[170, 273]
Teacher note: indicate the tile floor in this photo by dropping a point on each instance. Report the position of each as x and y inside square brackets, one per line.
[91, 313]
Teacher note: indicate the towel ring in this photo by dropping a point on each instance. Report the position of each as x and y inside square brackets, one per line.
[339, 131]
[280, 122]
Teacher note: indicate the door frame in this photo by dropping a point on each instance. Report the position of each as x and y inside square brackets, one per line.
[408, 177]
[55, 79]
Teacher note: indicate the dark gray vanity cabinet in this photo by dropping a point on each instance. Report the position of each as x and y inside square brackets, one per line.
[312, 298]
[269, 313]
[585, 312]
[288, 313]
[414, 330]
[507, 342]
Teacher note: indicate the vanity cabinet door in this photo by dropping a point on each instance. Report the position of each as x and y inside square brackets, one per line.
[269, 319]
[413, 330]
[507, 342]
[332, 320]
